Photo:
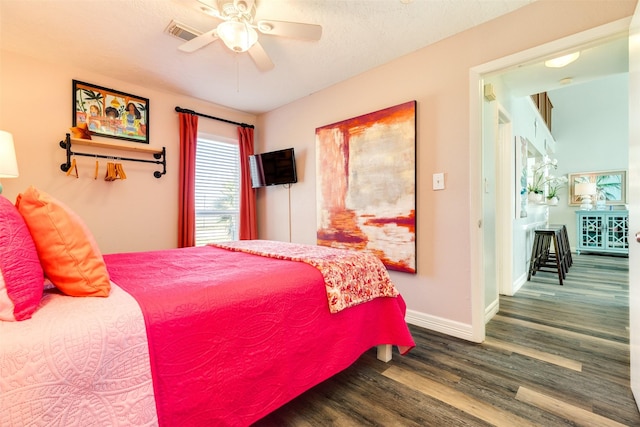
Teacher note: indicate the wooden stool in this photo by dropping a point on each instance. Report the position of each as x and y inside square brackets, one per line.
[564, 238]
[543, 259]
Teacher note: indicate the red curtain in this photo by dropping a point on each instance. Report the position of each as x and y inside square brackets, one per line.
[248, 222]
[187, 213]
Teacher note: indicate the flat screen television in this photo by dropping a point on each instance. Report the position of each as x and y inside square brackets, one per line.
[273, 168]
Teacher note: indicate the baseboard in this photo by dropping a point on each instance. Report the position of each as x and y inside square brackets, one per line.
[491, 311]
[438, 324]
[519, 282]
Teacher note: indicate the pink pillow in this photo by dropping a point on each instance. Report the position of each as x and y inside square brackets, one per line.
[21, 277]
[68, 253]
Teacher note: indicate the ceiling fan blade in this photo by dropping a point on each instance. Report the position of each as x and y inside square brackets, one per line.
[295, 30]
[210, 7]
[201, 41]
[260, 57]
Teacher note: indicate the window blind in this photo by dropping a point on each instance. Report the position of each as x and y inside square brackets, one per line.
[217, 189]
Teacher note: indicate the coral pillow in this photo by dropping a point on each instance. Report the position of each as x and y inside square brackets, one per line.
[21, 277]
[68, 253]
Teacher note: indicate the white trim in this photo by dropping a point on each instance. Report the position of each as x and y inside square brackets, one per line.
[439, 324]
[505, 199]
[491, 310]
[519, 283]
[476, 230]
[566, 44]
[632, 195]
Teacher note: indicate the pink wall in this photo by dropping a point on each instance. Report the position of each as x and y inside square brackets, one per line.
[139, 213]
[438, 78]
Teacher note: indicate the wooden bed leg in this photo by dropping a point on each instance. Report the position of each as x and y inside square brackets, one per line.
[384, 352]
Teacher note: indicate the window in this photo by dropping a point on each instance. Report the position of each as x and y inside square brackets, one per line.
[217, 191]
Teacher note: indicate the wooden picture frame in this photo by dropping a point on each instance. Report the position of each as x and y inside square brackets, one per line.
[613, 185]
[111, 113]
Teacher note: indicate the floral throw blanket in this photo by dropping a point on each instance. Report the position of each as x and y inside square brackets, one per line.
[350, 277]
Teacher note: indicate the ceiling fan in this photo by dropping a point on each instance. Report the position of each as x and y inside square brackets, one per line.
[238, 30]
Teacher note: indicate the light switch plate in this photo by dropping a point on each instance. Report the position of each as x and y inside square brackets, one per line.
[438, 181]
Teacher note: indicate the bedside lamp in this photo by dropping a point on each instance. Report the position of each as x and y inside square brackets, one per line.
[8, 163]
[585, 190]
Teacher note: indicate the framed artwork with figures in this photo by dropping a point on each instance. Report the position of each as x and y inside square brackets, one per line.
[110, 113]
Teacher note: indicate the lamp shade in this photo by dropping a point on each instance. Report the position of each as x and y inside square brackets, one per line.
[586, 189]
[8, 163]
[238, 36]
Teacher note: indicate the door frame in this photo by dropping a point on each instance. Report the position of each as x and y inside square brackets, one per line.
[476, 84]
[505, 201]
[633, 197]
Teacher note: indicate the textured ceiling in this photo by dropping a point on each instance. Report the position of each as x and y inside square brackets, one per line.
[126, 40]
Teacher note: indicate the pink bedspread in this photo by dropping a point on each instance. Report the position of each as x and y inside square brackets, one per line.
[233, 336]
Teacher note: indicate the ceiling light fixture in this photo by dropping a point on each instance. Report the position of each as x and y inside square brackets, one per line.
[238, 36]
[562, 61]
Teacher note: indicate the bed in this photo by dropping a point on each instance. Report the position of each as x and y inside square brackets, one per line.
[211, 335]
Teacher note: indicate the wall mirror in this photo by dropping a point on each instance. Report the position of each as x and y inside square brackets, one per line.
[612, 185]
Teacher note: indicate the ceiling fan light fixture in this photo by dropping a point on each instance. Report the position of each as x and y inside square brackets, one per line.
[562, 61]
[238, 36]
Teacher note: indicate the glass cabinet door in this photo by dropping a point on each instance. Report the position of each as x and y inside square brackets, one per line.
[617, 231]
[591, 232]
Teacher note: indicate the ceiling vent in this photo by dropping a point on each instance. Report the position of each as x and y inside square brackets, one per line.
[181, 31]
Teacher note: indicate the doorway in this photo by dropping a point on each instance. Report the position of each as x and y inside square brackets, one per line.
[502, 234]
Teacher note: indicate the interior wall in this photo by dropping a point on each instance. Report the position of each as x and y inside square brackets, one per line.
[139, 213]
[519, 225]
[591, 129]
[528, 123]
[439, 295]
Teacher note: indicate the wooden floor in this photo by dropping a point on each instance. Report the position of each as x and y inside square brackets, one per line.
[554, 356]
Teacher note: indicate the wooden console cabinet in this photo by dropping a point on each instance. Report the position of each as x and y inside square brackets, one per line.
[603, 231]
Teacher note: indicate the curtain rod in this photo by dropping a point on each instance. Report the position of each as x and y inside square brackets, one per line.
[184, 110]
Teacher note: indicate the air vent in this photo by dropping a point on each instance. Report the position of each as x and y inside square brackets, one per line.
[181, 31]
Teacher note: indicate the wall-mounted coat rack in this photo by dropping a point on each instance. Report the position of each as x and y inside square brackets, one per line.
[161, 155]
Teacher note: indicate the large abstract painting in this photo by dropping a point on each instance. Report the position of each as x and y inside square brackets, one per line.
[366, 185]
